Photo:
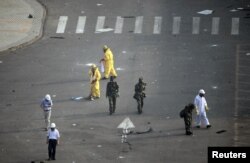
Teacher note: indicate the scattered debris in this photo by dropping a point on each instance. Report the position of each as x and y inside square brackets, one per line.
[221, 131]
[144, 132]
[119, 69]
[129, 17]
[214, 87]
[104, 30]
[56, 37]
[30, 16]
[77, 98]
[121, 157]
[206, 12]
[234, 10]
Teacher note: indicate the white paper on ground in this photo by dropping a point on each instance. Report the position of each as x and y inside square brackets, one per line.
[206, 12]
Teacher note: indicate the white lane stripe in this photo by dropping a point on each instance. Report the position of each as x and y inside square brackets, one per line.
[99, 24]
[235, 26]
[176, 25]
[196, 25]
[157, 25]
[81, 24]
[138, 24]
[62, 24]
[119, 24]
[215, 26]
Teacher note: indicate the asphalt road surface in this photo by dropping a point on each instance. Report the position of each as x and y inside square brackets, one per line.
[175, 49]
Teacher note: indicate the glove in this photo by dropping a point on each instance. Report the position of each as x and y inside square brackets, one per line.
[206, 108]
[196, 111]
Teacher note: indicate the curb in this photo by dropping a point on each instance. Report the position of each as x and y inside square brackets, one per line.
[36, 31]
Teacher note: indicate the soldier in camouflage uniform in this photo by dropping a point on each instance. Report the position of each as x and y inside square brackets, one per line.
[112, 92]
[139, 95]
[186, 113]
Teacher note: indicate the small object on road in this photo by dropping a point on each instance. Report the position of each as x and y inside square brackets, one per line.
[56, 37]
[119, 69]
[74, 124]
[121, 157]
[30, 16]
[150, 129]
[99, 146]
[221, 131]
[206, 12]
[99, 4]
[248, 54]
[104, 30]
[77, 98]
[1, 61]
[234, 10]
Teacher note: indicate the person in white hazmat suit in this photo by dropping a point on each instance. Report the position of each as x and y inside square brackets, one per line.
[201, 109]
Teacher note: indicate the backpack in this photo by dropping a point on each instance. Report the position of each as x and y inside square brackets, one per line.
[182, 113]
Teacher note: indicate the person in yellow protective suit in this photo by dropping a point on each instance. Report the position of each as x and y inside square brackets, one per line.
[108, 63]
[95, 77]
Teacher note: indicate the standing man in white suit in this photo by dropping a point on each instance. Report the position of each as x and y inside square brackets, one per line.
[201, 109]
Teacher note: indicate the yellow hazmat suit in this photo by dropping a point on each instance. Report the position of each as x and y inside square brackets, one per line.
[95, 77]
[109, 64]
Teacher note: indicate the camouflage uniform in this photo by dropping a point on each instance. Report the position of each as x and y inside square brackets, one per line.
[139, 95]
[186, 113]
[112, 93]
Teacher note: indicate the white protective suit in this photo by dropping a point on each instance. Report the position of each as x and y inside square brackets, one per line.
[201, 105]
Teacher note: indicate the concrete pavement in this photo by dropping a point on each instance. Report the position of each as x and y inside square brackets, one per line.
[21, 23]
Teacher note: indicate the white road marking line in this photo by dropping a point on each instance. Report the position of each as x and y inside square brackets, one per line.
[119, 24]
[157, 25]
[99, 24]
[176, 25]
[81, 24]
[62, 24]
[215, 26]
[196, 25]
[138, 24]
[235, 26]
